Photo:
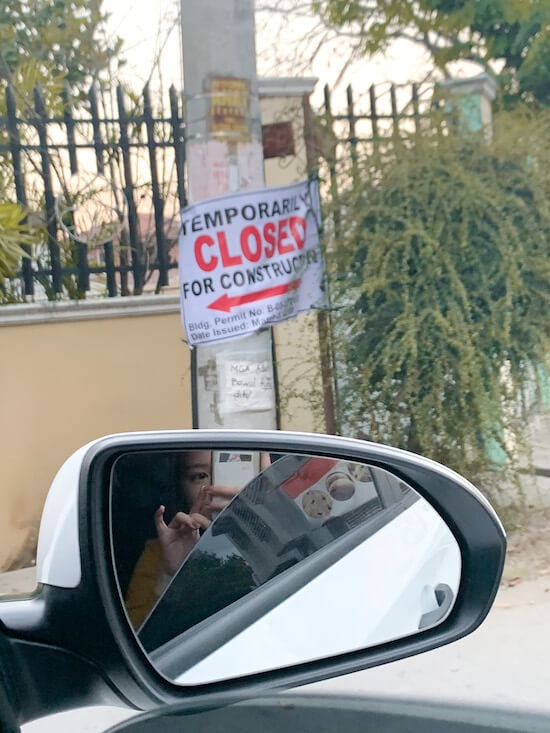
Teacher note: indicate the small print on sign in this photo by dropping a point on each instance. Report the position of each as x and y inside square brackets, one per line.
[245, 384]
[250, 260]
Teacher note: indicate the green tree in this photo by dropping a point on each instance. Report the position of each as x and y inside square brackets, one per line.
[56, 44]
[441, 282]
[62, 47]
[510, 38]
[206, 584]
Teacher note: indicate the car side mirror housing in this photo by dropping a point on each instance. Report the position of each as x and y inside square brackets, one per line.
[255, 560]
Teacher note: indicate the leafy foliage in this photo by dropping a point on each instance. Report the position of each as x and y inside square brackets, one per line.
[510, 38]
[13, 233]
[441, 282]
[55, 44]
[217, 582]
[57, 48]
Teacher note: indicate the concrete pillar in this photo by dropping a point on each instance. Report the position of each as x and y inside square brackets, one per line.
[224, 154]
[471, 99]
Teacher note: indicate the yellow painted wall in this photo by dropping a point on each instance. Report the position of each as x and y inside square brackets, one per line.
[65, 383]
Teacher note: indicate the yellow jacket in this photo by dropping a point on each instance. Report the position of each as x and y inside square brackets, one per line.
[146, 584]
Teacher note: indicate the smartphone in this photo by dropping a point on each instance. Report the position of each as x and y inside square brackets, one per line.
[234, 469]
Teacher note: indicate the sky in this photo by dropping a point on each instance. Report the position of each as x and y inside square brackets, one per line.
[147, 26]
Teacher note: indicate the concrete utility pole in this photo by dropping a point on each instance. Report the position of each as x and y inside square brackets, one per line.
[224, 154]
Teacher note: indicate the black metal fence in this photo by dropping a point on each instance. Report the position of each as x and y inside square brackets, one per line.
[120, 139]
[381, 114]
[368, 125]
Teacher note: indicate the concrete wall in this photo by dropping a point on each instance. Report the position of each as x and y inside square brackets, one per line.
[296, 342]
[65, 382]
[71, 372]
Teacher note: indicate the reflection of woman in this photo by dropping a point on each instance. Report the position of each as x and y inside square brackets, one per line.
[162, 556]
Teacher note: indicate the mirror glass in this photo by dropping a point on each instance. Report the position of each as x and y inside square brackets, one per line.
[232, 562]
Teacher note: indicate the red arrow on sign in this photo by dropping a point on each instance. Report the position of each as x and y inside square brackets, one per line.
[225, 303]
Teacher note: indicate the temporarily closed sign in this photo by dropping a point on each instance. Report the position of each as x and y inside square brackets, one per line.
[249, 260]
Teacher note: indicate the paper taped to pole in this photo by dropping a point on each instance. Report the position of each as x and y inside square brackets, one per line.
[250, 260]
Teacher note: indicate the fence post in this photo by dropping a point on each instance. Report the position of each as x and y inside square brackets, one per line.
[19, 176]
[352, 134]
[138, 266]
[158, 203]
[374, 119]
[98, 143]
[70, 127]
[416, 110]
[471, 99]
[178, 135]
[324, 324]
[51, 221]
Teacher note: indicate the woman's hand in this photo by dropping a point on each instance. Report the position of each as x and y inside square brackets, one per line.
[179, 537]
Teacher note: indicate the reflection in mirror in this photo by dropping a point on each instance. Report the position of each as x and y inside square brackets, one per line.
[232, 562]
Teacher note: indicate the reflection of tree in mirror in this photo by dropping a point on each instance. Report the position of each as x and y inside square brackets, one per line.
[212, 582]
